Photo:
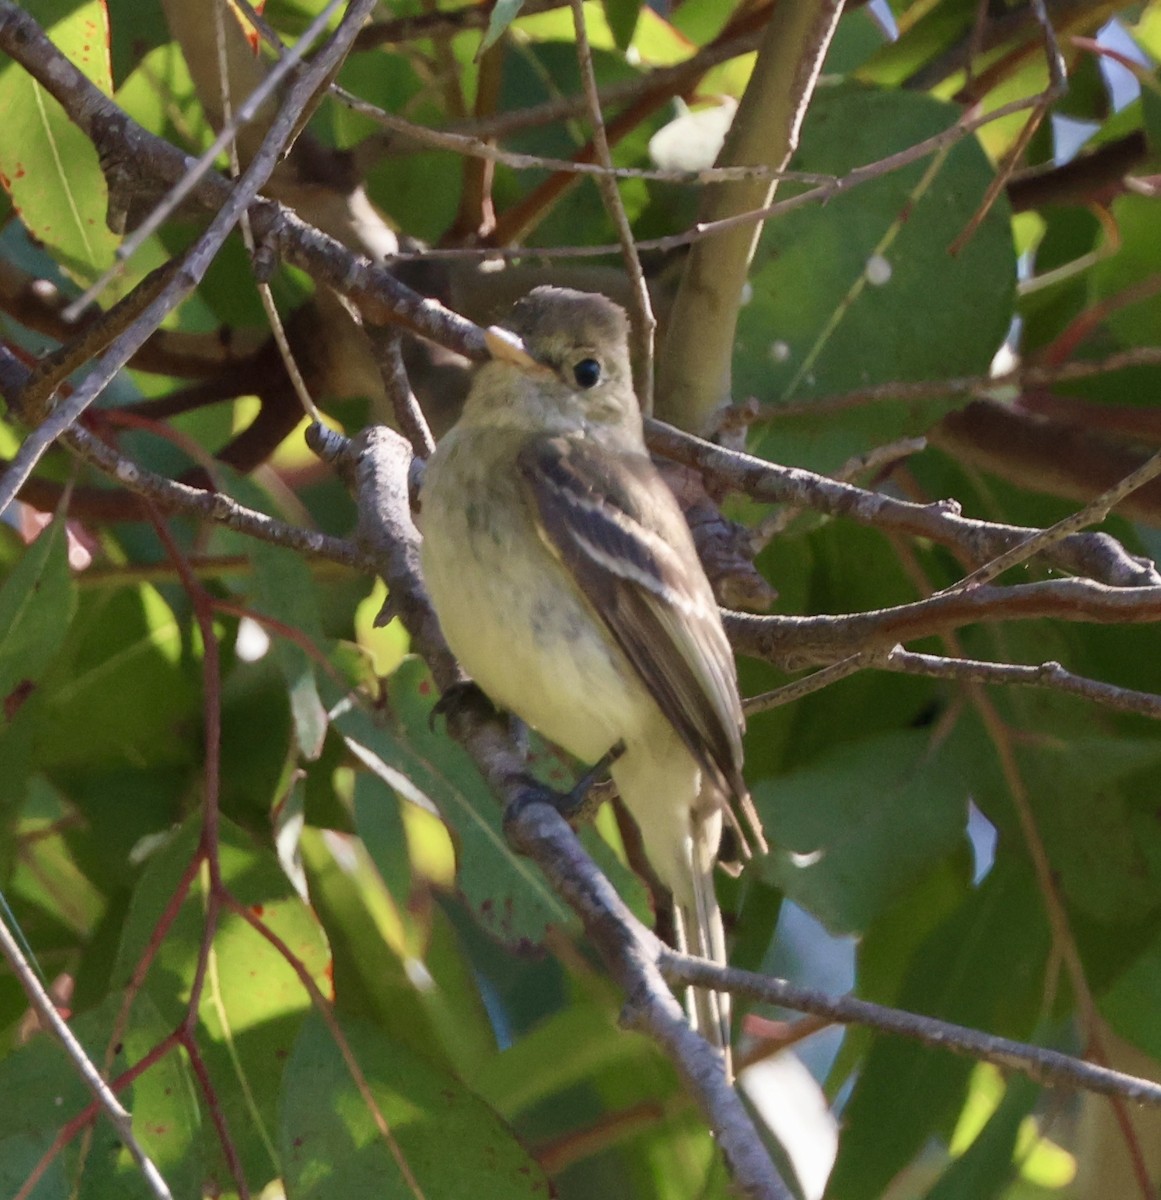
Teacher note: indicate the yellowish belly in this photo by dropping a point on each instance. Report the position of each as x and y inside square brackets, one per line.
[518, 627]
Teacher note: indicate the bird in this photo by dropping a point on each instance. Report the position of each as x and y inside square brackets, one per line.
[567, 584]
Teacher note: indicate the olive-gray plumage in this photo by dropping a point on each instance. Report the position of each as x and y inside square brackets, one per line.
[567, 584]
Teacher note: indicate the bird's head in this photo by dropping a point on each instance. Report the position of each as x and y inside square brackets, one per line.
[559, 363]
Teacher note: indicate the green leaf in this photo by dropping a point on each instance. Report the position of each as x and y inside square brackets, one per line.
[504, 12]
[160, 89]
[134, 27]
[507, 892]
[1091, 796]
[987, 1164]
[380, 825]
[1151, 116]
[533, 1070]
[1130, 1005]
[1136, 262]
[125, 644]
[282, 588]
[854, 831]
[47, 164]
[864, 289]
[622, 17]
[162, 1100]
[446, 1139]
[37, 602]
[937, 28]
[252, 1003]
[980, 967]
[371, 978]
[1101, 856]
[254, 696]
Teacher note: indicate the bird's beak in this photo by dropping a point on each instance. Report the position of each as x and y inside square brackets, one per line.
[507, 347]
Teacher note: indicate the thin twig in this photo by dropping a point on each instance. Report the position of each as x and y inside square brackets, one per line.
[103, 1095]
[273, 317]
[387, 346]
[440, 24]
[1045, 1066]
[1091, 514]
[476, 147]
[247, 110]
[1057, 87]
[181, 282]
[644, 324]
[788, 693]
[1019, 379]
[670, 81]
[1095, 554]
[1047, 674]
[820, 194]
[171, 496]
[876, 459]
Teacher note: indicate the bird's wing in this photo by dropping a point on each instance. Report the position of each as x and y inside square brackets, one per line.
[611, 520]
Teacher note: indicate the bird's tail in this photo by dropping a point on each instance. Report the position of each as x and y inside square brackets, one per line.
[699, 930]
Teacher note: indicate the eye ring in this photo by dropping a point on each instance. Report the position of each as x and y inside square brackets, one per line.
[587, 373]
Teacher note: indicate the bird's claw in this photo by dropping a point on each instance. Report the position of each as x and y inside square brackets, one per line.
[457, 699]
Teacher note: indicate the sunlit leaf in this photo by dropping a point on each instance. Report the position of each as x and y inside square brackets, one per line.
[47, 164]
[504, 12]
[507, 892]
[252, 1001]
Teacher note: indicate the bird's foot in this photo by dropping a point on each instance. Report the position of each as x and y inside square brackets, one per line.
[590, 791]
[576, 805]
[458, 700]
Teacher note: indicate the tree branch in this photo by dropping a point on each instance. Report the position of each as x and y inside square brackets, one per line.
[1046, 674]
[150, 159]
[695, 367]
[1045, 1066]
[177, 282]
[377, 464]
[795, 642]
[102, 1093]
[1094, 554]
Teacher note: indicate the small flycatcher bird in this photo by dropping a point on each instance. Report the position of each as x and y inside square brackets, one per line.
[567, 584]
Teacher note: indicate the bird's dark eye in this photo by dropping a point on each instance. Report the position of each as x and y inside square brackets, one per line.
[587, 373]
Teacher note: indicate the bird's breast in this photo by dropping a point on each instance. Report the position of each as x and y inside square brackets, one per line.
[510, 611]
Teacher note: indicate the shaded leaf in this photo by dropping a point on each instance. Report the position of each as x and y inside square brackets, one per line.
[851, 833]
[37, 602]
[843, 294]
[622, 17]
[126, 644]
[977, 968]
[451, 1143]
[282, 588]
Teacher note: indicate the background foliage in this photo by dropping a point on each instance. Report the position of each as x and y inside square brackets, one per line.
[991, 859]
